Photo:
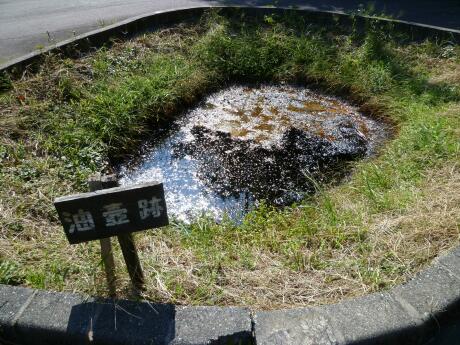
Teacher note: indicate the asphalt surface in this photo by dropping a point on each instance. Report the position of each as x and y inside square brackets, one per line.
[27, 25]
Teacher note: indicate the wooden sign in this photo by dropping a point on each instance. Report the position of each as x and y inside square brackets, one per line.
[111, 212]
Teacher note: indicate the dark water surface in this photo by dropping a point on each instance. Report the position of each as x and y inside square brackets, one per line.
[246, 144]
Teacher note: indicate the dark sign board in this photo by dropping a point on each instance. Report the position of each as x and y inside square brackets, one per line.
[111, 212]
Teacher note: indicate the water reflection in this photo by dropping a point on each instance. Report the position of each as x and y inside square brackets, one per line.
[246, 144]
[187, 196]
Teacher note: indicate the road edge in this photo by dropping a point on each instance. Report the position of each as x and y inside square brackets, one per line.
[128, 27]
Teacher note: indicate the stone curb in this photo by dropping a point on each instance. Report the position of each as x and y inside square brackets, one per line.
[130, 26]
[411, 313]
[408, 314]
[36, 317]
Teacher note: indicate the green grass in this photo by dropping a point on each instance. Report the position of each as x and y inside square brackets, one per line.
[395, 213]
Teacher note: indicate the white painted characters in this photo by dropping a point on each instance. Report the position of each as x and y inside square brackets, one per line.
[80, 221]
[115, 214]
[150, 208]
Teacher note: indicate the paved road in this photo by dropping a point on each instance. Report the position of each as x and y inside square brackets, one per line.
[26, 25]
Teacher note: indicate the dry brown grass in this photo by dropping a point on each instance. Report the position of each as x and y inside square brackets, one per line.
[448, 72]
[410, 238]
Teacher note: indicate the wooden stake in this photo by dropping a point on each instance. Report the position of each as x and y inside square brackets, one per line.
[95, 183]
[128, 246]
[109, 265]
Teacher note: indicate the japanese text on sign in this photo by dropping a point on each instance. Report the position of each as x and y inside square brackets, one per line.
[109, 212]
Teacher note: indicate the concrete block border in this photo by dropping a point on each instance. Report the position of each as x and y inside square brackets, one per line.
[411, 313]
[42, 317]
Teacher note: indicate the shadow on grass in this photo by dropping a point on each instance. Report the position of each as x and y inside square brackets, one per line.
[423, 11]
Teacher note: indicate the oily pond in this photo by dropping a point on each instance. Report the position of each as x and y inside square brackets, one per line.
[245, 144]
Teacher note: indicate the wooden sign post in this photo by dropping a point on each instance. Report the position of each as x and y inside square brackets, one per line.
[95, 183]
[115, 211]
